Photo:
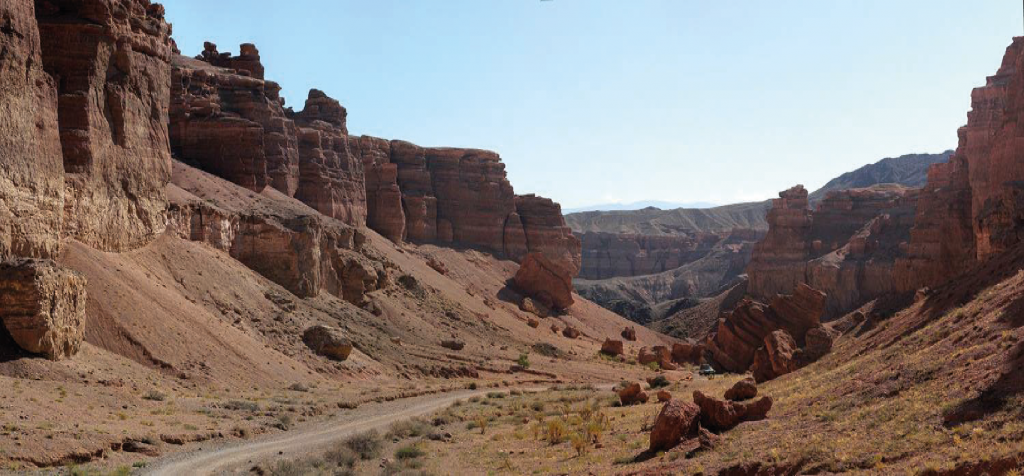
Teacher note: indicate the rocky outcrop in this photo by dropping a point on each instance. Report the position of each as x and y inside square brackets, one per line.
[612, 347]
[328, 342]
[632, 394]
[722, 415]
[660, 355]
[687, 352]
[778, 357]
[384, 212]
[110, 59]
[545, 232]
[281, 239]
[677, 420]
[743, 333]
[32, 178]
[232, 123]
[743, 390]
[848, 246]
[330, 176]
[545, 281]
[42, 306]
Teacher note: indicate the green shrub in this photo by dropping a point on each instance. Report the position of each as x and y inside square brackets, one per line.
[367, 445]
[524, 360]
[409, 452]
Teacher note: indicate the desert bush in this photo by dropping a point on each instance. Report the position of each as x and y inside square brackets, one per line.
[298, 387]
[284, 422]
[409, 452]
[496, 395]
[659, 382]
[242, 405]
[556, 431]
[579, 443]
[341, 456]
[481, 422]
[155, 395]
[412, 428]
[524, 360]
[367, 445]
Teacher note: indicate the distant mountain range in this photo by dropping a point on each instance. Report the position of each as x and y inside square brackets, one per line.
[910, 170]
[662, 205]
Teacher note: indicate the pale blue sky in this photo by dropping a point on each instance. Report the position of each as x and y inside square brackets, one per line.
[593, 101]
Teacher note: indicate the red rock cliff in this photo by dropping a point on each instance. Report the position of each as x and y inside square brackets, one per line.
[847, 247]
[973, 207]
[110, 62]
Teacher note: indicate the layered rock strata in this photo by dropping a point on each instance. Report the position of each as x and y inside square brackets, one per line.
[42, 306]
[848, 246]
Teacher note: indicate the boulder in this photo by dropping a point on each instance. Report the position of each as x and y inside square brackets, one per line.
[659, 354]
[629, 334]
[687, 352]
[677, 420]
[533, 307]
[778, 357]
[743, 390]
[632, 394]
[546, 281]
[612, 347]
[571, 332]
[42, 306]
[455, 345]
[819, 342]
[664, 396]
[722, 415]
[328, 342]
[534, 323]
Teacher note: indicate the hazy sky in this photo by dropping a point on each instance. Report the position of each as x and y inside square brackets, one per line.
[595, 101]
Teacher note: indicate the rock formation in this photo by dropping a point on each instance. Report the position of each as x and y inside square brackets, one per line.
[722, 415]
[42, 306]
[743, 390]
[328, 342]
[677, 420]
[848, 246]
[612, 347]
[111, 62]
[633, 394]
[754, 328]
[609, 255]
[544, 280]
[32, 179]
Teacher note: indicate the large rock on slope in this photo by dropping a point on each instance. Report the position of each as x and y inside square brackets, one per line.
[546, 281]
[722, 415]
[741, 332]
[633, 394]
[677, 420]
[778, 357]
[32, 176]
[328, 342]
[42, 306]
[112, 58]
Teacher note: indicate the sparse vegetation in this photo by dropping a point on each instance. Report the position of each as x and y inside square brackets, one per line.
[367, 445]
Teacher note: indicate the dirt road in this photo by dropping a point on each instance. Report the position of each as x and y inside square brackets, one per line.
[230, 457]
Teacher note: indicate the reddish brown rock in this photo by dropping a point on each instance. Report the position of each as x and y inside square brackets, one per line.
[571, 332]
[328, 342]
[659, 354]
[533, 323]
[32, 176]
[384, 212]
[687, 352]
[664, 396]
[609, 255]
[741, 332]
[545, 281]
[612, 347]
[633, 394]
[847, 247]
[778, 357]
[546, 232]
[677, 420]
[112, 58]
[743, 390]
[722, 415]
[331, 178]
[629, 334]
[43, 307]
[283, 240]
[453, 344]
